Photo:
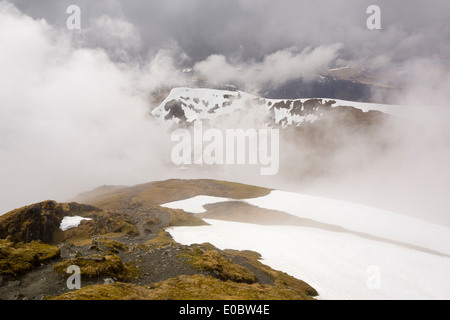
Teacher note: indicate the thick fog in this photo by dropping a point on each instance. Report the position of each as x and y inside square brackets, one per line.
[75, 104]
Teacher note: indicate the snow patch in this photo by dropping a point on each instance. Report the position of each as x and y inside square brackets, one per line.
[360, 218]
[195, 204]
[71, 222]
[338, 265]
[412, 255]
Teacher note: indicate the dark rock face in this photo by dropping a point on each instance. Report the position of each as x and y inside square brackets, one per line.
[35, 222]
[38, 221]
[309, 107]
[175, 110]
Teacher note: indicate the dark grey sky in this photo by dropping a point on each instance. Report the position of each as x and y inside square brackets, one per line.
[251, 29]
[74, 116]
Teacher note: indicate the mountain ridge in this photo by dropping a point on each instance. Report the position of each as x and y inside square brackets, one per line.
[124, 252]
[185, 105]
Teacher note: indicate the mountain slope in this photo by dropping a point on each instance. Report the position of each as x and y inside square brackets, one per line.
[261, 240]
[185, 105]
[159, 192]
[345, 250]
[125, 241]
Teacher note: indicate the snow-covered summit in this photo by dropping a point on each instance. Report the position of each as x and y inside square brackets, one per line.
[190, 104]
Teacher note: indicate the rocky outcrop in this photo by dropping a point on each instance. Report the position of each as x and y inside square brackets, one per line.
[38, 221]
[129, 244]
[19, 258]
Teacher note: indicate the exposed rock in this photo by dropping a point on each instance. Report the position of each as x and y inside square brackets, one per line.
[175, 110]
[126, 251]
[38, 222]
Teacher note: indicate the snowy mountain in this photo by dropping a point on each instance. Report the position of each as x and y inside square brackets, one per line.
[251, 242]
[185, 105]
[319, 133]
[344, 250]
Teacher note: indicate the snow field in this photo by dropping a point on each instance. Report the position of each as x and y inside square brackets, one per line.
[339, 265]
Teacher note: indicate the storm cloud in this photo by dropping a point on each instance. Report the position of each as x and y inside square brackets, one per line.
[259, 36]
[251, 29]
[75, 104]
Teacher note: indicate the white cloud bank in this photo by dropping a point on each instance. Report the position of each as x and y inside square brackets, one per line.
[75, 115]
[70, 118]
[274, 69]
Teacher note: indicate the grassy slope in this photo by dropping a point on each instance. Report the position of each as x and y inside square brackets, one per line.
[157, 193]
[124, 214]
[196, 287]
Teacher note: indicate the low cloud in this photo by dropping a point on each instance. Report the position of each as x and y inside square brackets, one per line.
[75, 105]
[272, 71]
[118, 36]
[72, 119]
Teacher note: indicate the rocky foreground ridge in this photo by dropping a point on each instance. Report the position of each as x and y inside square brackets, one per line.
[124, 252]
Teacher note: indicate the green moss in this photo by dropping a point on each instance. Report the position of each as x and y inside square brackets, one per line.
[19, 258]
[117, 291]
[110, 246]
[163, 238]
[213, 261]
[96, 265]
[125, 227]
[196, 287]
[200, 287]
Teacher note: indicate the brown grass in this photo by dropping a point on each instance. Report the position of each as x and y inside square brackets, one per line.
[157, 193]
[109, 246]
[182, 218]
[213, 261]
[196, 287]
[163, 238]
[102, 223]
[19, 258]
[97, 265]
